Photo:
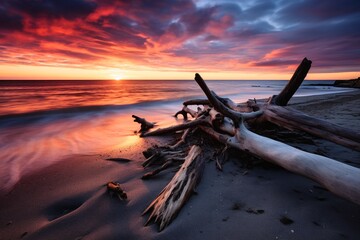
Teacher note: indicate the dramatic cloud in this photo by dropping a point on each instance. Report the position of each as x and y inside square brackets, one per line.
[68, 9]
[181, 34]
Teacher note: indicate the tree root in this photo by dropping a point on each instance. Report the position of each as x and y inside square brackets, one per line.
[185, 111]
[163, 154]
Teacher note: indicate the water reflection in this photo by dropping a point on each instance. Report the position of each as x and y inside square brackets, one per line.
[41, 122]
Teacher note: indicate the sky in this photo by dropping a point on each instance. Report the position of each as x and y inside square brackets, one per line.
[173, 39]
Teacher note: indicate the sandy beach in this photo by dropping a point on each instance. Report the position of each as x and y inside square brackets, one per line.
[84, 85]
[69, 200]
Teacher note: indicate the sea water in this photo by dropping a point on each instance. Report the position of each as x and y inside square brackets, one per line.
[42, 122]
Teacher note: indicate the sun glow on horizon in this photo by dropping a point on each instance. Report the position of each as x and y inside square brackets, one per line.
[116, 76]
[28, 72]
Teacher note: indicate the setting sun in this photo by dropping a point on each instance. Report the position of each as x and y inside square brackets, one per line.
[117, 76]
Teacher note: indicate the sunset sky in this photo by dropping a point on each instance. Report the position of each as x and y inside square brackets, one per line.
[173, 39]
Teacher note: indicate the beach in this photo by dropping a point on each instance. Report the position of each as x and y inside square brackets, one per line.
[179, 120]
[69, 199]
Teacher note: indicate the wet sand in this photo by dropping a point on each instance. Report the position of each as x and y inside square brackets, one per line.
[68, 200]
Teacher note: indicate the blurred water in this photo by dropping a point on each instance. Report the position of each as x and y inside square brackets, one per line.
[41, 122]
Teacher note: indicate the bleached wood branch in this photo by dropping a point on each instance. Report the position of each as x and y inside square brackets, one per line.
[293, 119]
[169, 202]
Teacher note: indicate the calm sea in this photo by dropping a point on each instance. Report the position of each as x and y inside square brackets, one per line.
[41, 122]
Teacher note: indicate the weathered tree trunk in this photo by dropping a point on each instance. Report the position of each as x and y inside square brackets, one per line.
[169, 202]
[292, 119]
[226, 121]
[337, 177]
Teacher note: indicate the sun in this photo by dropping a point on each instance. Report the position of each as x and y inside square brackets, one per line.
[116, 75]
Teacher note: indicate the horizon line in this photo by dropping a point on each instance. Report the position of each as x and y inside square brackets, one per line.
[121, 80]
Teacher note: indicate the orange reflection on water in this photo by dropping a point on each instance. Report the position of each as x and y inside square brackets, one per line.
[33, 96]
[130, 141]
[33, 146]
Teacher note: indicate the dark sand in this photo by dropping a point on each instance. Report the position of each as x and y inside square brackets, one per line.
[68, 200]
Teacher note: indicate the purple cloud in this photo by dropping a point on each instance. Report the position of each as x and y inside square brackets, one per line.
[69, 9]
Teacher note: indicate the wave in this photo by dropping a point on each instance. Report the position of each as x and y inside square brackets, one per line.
[31, 141]
[77, 111]
[36, 138]
[175, 102]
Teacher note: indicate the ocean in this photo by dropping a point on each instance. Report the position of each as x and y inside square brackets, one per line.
[42, 122]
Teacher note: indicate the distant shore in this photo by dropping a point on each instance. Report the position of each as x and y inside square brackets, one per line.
[352, 83]
[68, 200]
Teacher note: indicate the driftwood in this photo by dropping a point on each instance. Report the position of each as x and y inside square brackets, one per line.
[283, 98]
[185, 111]
[227, 123]
[114, 188]
[296, 120]
[335, 176]
[145, 125]
[169, 202]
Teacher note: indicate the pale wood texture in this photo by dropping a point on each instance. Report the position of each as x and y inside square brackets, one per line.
[337, 177]
[227, 123]
[169, 202]
[293, 119]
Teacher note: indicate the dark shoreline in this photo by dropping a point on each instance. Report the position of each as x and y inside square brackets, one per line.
[352, 83]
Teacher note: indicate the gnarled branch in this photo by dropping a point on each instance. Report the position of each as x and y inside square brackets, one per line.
[145, 125]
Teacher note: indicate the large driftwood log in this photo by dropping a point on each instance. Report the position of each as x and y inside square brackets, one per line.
[169, 202]
[227, 122]
[291, 119]
[337, 177]
[296, 120]
[274, 111]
